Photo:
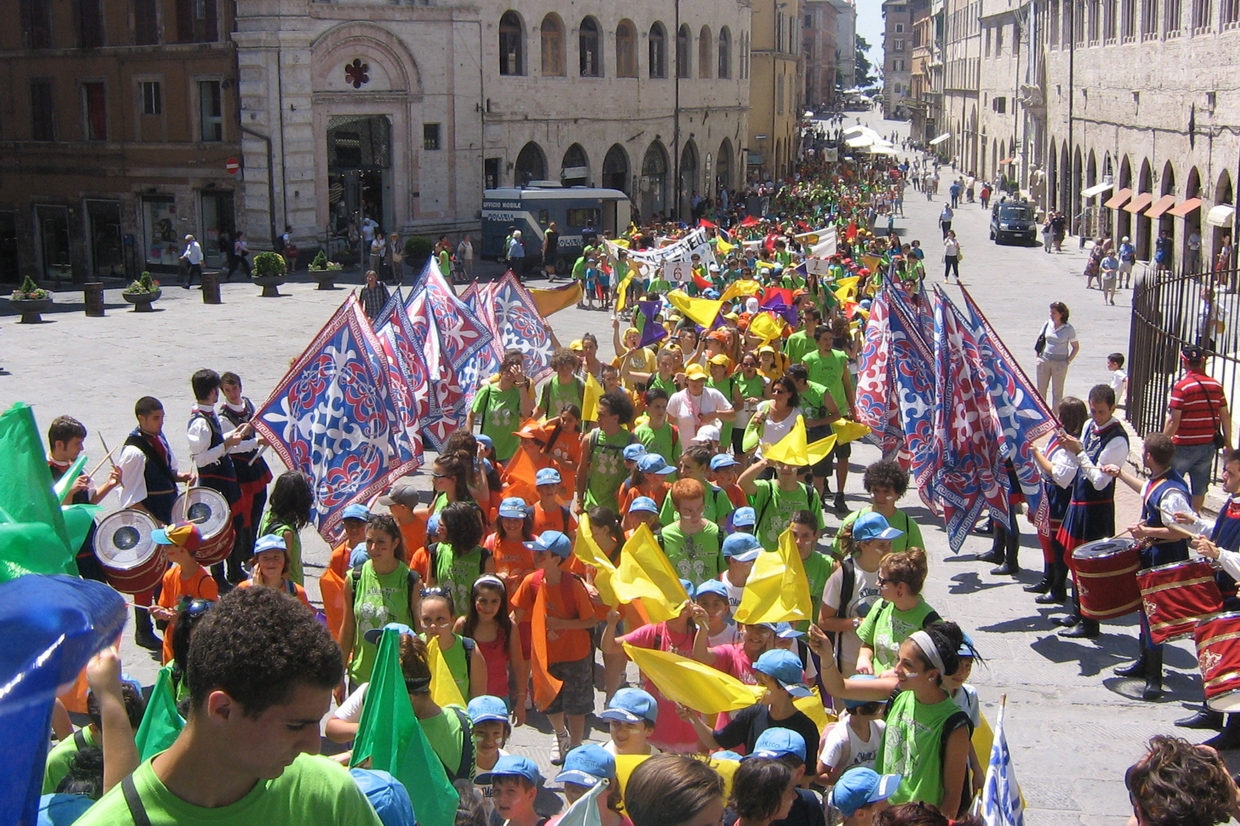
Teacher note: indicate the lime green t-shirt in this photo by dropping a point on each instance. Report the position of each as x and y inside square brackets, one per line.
[695, 557]
[798, 345]
[443, 731]
[61, 755]
[911, 538]
[718, 507]
[886, 626]
[664, 441]
[725, 430]
[553, 396]
[912, 746]
[818, 569]
[606, 470]
[774, 508]
[313, 789]
[499, 412]
[829, 371]
[377, 600]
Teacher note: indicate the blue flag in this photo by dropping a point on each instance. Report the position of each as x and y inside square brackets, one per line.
[912, 361]
[1001, 803]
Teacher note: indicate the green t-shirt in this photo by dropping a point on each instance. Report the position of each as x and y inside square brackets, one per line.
[718, 507]
[774, 508]
[313, 789]
[554, 395]
[457, 573]
[443, 731]
[829, 371]
[798, 345]
[664, 441]
[667, 385]
[912, 746]
[660, 285]
[605, 457]
[377, 600]
[579, 269]
[818, 569]
[911, 538]
[273, 525]
[59, 758]
[886, 626]
[499, 412]
[697, 557]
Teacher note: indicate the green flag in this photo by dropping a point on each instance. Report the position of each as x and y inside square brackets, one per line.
[390, 737]
[161, 723]
[33, 536]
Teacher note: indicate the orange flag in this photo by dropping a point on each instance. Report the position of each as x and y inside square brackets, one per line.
[546, 687]
[331, 586]
[519, 476]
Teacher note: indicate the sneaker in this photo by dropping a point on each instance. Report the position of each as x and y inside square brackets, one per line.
[563, 745]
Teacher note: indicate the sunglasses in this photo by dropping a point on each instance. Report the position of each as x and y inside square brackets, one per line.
[437, 591]
[440, 475]
[882, 580]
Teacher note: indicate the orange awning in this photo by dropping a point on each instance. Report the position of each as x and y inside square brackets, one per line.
[1160, 206]
[1139, 202]
[1117, 200]
[1185, 208]
[1006, 161]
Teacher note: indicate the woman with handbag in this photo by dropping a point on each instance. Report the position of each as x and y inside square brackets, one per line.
[951, 256]
[1056, 347]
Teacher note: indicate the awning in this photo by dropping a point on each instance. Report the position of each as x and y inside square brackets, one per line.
[1096, 189]
[940, 138]
[1160, 206]
[1139, 202]
[1186, 208]
[1007, 161]
[882, 150]
[1220, 216]
[859, 142]
[1117, 200]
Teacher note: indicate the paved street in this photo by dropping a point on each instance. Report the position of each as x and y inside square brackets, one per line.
[1073, 728]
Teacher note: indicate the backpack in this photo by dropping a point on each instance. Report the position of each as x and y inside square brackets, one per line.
[594, 443]
[412, 583]
[809, 500]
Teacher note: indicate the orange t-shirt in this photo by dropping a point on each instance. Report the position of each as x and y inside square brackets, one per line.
[199, 586]
[299, 591]
[413, 534]
[554, 521]
[736, 496]
[569, 600]
[632, 493]
[339, 563]
[512, 560]
[565, 454]
[420, 561]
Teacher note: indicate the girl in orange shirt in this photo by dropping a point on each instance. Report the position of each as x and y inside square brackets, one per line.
[507, 545]
[186, 578]
[269, 568]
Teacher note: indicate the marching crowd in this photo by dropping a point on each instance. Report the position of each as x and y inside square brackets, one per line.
[723, 441]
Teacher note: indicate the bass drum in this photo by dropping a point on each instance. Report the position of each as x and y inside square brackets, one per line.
[1106, 577]
[131, 559]
[209, 510]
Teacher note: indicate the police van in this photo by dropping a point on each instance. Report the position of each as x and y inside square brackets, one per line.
[577, 211]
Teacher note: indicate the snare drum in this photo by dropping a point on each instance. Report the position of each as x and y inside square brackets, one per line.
[209, 510]
[131, 560]
[1218, 655]
[1175, 597]
[1106, 578]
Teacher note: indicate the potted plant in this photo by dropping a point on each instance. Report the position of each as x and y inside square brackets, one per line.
[418, 251]
[324, 271]
[30, 300]
[268, 273]
[142, 293]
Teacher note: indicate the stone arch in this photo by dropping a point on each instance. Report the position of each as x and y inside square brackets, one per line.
[390, 66]
[1223, 194]
[1052, 175]
[531, 165]
[706, 52]
[575, 167]
[1074, 189]
[654, 179]
[590, 47]
[626, 49]
[551, 38]
[1123, 223]
[1166, 184]
[1145, 184]
[511, 43]
[1065, 178]
[690, 176]
[724, 69]
[724, 165]
[616, 169]
[1192, 223]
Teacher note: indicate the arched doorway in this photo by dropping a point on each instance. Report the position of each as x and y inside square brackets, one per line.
[531, 165]
[1073, 208]
[575, 168]
[1192, 225]
[1123, 222]
[1052, 177]
[1065, 179]
[359, 168]
[616, 169]
[654, 181]
[689, 179]
[1142, 241]
[1092, 207]
[1166, 223]
[723, 165]
[1223, 195]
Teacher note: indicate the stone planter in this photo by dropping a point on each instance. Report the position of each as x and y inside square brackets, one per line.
[30, 308]
[326, 278]
[270, 284]
[142, 301]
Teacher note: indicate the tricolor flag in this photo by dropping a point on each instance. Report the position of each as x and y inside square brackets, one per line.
[1001, 802]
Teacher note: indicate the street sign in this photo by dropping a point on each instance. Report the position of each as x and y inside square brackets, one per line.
[232, 166]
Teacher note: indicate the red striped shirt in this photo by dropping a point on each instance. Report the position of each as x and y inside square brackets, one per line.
[1194, 396]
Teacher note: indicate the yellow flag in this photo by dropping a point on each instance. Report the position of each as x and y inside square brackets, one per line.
[554, 300]
[812, 708]
[622, 291]
[846, 289]
[777, 589]
[794, 450]
[625, 763]
[589, 399]
[444, 690]
[745, 287]
[766, 327]
[723, 247]
[645, 574]
[848, 431]
[588, 551]
[703, 311]
[692, 683]
[871, 262]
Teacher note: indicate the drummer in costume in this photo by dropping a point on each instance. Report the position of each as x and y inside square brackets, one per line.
[209, 445]
[1162, 497]
[253, 474]
[1091, 513]
[64, 441]
[148, 483]
[1059, 470]
[1223, 546]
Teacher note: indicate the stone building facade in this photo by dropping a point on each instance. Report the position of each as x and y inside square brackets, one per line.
[775, 87]
[962, 63]
[819, 37]
[1004, 51]
[846, 41]
[926, 81]
[897, 57]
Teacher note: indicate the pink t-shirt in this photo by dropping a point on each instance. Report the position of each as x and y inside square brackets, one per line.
[670, 732]
[732, 659]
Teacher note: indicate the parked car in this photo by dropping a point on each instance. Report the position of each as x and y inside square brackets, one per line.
[1013, 221]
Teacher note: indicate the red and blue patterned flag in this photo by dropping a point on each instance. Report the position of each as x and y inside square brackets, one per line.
[912, 360]
[333, 417]
[412, 390]
[877, 405]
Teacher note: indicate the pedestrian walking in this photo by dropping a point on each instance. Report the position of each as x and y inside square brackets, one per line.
[1056, 347]
[1110, 274]
[240, 259]
[945, 219]
[1127, 258]
[193, 261]
[551, 247]
[951, 257]
[1199, 422]
[465, 255]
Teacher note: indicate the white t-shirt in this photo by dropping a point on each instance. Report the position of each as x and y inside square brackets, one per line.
[730, 634]
[610, 748]
[1058, 341]
[864, 596]
[683, 405]
[350, 711]
[966, 698]
[734, 592]
[1118, 379]
[842, 746]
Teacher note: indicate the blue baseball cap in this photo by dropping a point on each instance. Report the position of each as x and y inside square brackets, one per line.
[62, 808]
[745, 517]
[486, 708]
[547, 476]
[484, 439]
[388, 795]
[356, 511]
[711, 586]
[512, 508]
[634, 451]
[631, 705]
[552, 541]
[358, 555]
[722, 460]
[874, 526]
[967, 649]
[778, 742]
[654, 463]
[785, 631]
[859, 703]
[643, 504]
[375, 634]
[859, 787]
[432, 524]
[587, 765]
[270, 542]
[743, 547]
[511, 765]
[728, 755]
[784, 668]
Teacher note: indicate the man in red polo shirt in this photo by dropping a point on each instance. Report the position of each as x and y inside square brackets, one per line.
[1198, 410]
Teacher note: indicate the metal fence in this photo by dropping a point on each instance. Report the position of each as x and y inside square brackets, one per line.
[1170, 311]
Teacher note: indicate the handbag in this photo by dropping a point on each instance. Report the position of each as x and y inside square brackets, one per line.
[1040, 344]
[959, 253]
[1220, 441]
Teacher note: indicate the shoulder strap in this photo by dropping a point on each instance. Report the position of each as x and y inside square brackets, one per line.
[1205, 391]
[546, 397]
[355, 580]
[565, 515]
[467, 741]
[412, 580]
[931, 618]
[137, 810]
[79, 739]
[485, 404]
[290, 587]
[848, 584]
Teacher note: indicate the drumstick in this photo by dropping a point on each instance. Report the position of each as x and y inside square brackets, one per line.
[101, 461]
[257, 455]
[105, 447]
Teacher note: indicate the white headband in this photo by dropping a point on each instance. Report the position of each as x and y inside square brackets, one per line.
[927, 646]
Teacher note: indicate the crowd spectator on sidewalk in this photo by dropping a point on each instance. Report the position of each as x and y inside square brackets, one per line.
[1059, 350]
[1199, 423]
